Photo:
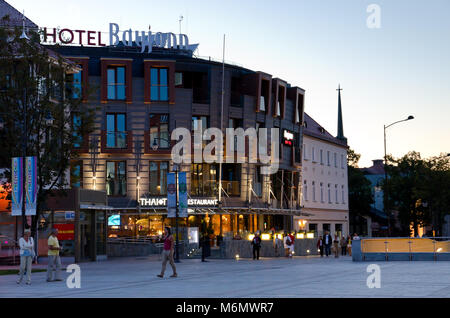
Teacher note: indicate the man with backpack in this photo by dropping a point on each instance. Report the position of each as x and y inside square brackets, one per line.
[256, 244]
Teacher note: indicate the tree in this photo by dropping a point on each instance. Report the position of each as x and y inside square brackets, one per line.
[359, 189]
[37, 108]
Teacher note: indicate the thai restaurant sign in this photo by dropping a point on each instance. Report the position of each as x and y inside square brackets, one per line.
[162, 202]
[146, 40]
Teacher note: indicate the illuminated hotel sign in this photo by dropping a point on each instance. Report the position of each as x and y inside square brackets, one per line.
[288, 138]
[162, 202]
[143, 39]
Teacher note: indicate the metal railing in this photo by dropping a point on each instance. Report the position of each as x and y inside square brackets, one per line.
[408, 245]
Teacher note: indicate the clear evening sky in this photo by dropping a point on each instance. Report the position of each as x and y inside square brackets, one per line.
[400, 69]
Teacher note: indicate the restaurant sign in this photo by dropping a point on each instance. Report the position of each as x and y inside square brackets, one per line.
[162, 202]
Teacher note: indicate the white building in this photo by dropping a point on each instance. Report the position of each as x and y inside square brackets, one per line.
[324, 180]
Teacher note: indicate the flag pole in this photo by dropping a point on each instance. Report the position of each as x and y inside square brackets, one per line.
[221, 121]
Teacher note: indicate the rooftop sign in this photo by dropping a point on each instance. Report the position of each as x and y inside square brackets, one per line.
[146, 40]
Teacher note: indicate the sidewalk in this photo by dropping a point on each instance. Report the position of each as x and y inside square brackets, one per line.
[302, 276]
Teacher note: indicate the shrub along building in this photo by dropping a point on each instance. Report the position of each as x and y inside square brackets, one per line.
[140, 98]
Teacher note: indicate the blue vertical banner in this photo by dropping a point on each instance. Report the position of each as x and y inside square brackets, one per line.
[171, 196]
[17, 186]
[30, 185]
[182, 195]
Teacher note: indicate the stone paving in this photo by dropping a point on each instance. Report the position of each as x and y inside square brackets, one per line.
[269, 277]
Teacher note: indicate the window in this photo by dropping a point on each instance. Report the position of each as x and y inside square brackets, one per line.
[314, 191]
[343, 194]
[328, 158]
[76, 131]
[76, 174]
[158, 177]
[338, 230]
[335, 160]
[159, 88]
[342, 161]
[200, 122]
[321, 156]
[116, 82]
[178, 79]
[262, 104]
[305, 190]
[116, 178]
[159, 130]
[321, 193]
[257, 182]
[329, 193]
[336, 193]
[304, 152]
[312, 227]
[313, 154]
[326, 227]
[204, 180]
[116, 135]
[76, 85]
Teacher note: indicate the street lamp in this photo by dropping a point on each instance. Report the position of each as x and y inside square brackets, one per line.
[175, 168]
[386, 191]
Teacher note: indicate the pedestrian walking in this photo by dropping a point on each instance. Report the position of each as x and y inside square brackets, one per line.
[320, 246]
[287, 243]
[276, 245]
[336, 246]
[167, 253]
[349, 245]
[256, 244]
[54, 261]
[343, 244]
[291, 247]
[27, 254]
[206, 247]
[327, 241]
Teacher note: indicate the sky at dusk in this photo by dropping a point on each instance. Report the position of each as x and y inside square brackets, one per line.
[387, 73]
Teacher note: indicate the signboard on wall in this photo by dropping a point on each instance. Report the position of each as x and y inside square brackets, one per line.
[171, 196]
[66, 232]
[182, 195]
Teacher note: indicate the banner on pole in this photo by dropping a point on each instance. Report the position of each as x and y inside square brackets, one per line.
[171, 196]
[17, 186]
[30, 185]
[182, 195]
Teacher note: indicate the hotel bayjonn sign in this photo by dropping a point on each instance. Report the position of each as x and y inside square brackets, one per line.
[143, 39]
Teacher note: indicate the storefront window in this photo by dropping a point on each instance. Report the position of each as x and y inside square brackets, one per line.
[204, 180]
[158, 177]
[116, 178]
[231, 179]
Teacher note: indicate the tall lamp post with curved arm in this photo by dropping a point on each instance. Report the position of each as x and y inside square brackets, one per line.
[386, 188]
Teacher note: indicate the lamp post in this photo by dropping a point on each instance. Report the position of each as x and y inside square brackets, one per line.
[386, 188]
[175, 168]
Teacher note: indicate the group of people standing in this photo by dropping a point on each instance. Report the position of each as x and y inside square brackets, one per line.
[342, 245]
[27, 255]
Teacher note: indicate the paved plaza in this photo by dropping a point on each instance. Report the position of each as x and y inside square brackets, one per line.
[268, 277]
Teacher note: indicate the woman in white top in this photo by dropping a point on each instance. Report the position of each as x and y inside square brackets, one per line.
[26, 244]
[287, 244]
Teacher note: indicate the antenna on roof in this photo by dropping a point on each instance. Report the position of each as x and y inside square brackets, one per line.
[23, 35]
[181, 19]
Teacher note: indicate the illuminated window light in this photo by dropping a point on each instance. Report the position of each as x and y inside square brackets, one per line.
[310, 235]
[300, 235]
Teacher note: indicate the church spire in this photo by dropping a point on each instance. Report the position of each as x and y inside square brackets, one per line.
[340, 131]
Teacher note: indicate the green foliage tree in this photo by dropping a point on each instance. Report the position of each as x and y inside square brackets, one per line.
[35, 87]
[359, 189]
[420, 190]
